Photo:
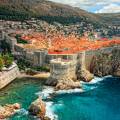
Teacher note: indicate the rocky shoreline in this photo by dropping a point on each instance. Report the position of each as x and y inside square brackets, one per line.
[8, 110]
[38, 109]
[102, 65]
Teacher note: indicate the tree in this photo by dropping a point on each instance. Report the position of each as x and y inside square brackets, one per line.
[8, 60]
[5, 46]
[1, 63]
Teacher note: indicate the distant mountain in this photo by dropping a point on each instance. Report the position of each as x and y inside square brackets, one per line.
[111, 18]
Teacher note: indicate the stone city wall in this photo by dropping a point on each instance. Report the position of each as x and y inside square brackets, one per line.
[50, 57]
[10, 40]
[8, 76]
[41, 57]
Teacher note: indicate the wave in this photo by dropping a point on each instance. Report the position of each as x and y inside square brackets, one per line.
[50, 111]
[93, 84]
[98, 79]
[22, 112]
[46, 92]
[50, 107]
[77, 90]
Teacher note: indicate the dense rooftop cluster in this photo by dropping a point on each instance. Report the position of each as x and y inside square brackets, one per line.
[76, 28]
[59, 44]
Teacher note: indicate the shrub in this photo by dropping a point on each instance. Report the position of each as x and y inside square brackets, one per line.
[1, 63]
[8, 60]
[43, 68]
[19, 40]
[22, 64]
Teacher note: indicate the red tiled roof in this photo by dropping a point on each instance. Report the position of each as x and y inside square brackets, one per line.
[67, 45]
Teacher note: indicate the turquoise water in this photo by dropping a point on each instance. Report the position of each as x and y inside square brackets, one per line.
[21, 91]
[99, 101]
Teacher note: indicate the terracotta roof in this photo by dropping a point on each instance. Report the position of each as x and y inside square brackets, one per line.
[66, 45]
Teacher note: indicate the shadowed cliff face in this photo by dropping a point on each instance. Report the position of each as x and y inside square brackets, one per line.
[106, 63]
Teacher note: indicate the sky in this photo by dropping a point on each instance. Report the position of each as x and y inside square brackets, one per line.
[95, 6]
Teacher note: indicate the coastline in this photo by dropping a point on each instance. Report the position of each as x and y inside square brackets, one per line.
[49, 94]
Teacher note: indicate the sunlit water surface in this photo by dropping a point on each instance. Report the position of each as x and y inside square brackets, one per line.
[100, 100]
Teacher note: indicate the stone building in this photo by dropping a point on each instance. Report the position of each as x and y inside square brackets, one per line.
[8, 39]
[61, 69]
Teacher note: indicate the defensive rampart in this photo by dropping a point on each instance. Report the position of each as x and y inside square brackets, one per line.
[8, 75]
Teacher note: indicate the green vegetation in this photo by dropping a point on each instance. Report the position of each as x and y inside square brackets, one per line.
[26, 9]
[20, 40]
[24, 65]
[5, 47]
[8, 13]
[34, 70]
[1, 63]
[43, 68]
[23, 10]
[63, 20]
[6, 60]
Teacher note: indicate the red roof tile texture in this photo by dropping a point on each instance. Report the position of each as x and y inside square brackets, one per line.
[67, 45]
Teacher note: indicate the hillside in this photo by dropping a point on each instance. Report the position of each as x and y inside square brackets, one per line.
[43, 9]
[71, 19]
[111, 18]
[51, 11]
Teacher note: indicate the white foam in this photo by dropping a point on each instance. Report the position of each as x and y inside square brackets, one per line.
[45, 92]
[22, 111]
[77, 90]
[50, 111]
[96, 80]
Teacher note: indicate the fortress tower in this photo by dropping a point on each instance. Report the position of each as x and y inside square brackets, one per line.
[62, 69]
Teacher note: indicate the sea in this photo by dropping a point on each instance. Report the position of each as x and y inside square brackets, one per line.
[99, 99]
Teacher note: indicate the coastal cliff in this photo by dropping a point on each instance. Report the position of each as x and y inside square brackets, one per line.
[100, 62]
[106, 63]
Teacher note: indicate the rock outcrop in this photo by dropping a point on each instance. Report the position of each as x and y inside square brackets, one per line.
[65, 84]
[38, 108]
[8, 110]
[106, 63]
[51, 81]
[84, 75]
